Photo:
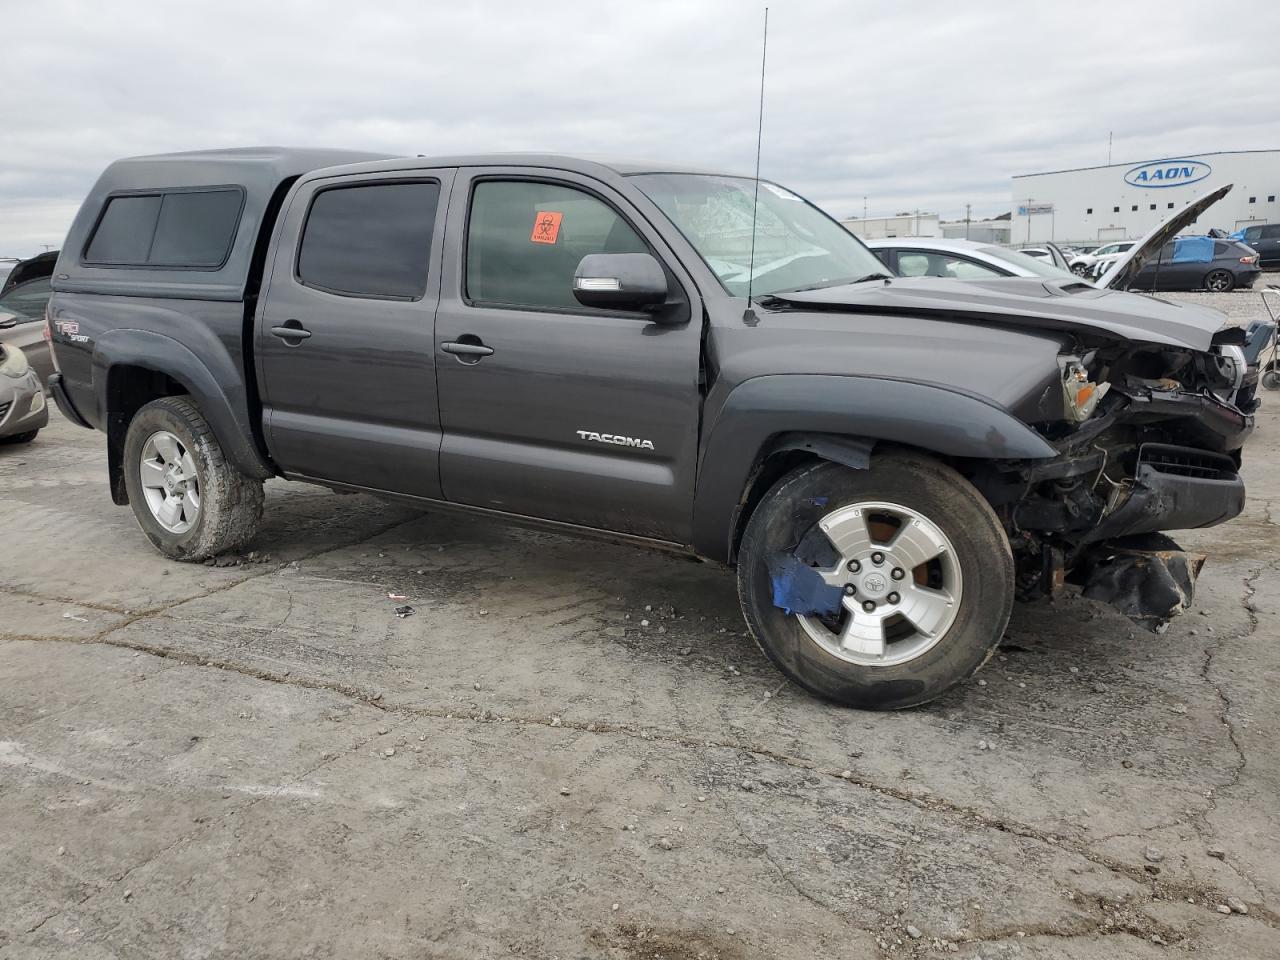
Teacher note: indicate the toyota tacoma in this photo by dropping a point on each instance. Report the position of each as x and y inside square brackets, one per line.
[687, 359]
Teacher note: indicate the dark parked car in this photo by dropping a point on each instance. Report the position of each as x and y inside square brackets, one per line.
[653, 355]
[1265, 239]
[23, 296]
[1214, 265]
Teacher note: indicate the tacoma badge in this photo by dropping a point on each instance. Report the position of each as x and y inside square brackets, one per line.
[616, 438]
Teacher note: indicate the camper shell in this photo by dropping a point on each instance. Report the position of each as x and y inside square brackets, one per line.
[231, 194]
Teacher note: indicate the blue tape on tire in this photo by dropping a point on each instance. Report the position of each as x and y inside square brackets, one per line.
[798, 588]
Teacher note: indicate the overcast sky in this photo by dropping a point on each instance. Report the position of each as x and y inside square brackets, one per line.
[927, 105]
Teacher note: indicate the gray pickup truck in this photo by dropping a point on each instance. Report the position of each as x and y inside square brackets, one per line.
[684, 359]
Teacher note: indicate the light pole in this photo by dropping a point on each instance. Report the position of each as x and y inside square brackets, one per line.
[967, 208]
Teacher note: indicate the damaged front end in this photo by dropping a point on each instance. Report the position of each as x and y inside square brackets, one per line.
[1148, 439]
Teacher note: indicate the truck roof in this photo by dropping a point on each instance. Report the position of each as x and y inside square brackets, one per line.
[248, 185]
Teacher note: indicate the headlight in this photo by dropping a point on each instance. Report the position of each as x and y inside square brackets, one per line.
[14, 363]
[1080, 394]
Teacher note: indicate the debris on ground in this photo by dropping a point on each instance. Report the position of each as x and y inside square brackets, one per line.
[397, 596]
[405, 611]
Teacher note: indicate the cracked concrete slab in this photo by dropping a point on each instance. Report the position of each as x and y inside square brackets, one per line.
[547, 694]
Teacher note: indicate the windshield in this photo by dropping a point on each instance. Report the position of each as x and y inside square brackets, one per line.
[797, 246]
[1032, 265]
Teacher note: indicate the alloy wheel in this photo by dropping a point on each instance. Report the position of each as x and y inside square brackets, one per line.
[901, 581]
[170, 482]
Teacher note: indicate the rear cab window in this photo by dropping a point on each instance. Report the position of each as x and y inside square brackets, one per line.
[369, 240]
[185, 229]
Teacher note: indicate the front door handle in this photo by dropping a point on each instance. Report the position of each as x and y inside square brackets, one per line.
[292, 330]
[468, 348]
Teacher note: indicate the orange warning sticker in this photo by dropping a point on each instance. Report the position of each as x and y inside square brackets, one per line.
[546, 226]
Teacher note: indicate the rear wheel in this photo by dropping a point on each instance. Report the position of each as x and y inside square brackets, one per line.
[1219, 281]
[188, 500]
[923, 566]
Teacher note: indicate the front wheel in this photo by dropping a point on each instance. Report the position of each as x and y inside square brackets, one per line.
[922, 566]
[188, 500]
[1080, 269]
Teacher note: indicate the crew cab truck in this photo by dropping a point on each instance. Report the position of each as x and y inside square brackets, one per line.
[680, 358]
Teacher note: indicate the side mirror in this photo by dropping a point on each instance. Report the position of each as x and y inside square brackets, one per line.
[620, 281]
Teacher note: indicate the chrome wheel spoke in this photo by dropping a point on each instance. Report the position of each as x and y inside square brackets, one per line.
[190, 506]
[188, 467]
[926, 609]
[915, 543]
[167, 447]
[863, 633]
[848, 532]
[170, 511]
[152, 473]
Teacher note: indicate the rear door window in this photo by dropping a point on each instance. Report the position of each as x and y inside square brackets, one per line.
[370, 240]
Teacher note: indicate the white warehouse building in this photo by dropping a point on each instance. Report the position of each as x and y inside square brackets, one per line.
[1125, 200]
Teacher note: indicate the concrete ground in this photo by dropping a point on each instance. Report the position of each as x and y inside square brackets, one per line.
[571, 749]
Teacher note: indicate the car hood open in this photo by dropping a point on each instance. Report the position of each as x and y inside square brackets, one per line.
[1020, 302]
[1121, 273]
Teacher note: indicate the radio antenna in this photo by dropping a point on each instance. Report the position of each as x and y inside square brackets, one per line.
[755, 202]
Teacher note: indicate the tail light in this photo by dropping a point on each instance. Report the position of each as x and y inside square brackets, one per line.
[1253, 259]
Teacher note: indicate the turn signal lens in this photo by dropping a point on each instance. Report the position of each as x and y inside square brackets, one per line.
[1080, 394]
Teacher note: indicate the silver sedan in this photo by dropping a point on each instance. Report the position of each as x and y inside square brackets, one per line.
[23, 410]
[960, 259]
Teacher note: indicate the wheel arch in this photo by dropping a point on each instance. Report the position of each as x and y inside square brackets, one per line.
[134, 367]
[770, 425]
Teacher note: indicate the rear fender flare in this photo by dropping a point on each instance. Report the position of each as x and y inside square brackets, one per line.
[841, 419]
[212, 380]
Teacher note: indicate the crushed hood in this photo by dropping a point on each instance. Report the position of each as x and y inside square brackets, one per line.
[1121, 273]
[1022, 302]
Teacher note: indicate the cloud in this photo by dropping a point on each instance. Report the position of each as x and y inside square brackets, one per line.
[927, 105]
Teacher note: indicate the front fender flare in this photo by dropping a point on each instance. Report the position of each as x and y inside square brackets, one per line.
[863, 410]
[213, 382]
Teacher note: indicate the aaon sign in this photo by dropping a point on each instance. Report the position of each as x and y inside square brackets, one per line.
[1167, 173]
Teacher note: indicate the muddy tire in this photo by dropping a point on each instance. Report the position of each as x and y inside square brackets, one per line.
[189, 501]
[959, 600]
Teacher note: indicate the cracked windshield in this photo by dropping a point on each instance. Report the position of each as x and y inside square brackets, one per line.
[796, 245]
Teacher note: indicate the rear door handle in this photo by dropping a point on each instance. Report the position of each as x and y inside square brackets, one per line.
[468, 348]
[292, 330]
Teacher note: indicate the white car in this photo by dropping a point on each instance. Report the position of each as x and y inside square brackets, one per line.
[1108, 253]
[959, 259]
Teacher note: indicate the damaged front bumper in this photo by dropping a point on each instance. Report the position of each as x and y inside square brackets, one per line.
[1156, 460]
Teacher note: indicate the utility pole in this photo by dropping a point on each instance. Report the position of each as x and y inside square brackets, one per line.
[1030, 200]
[967, 208]
[864, 206]
[1110, 134]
